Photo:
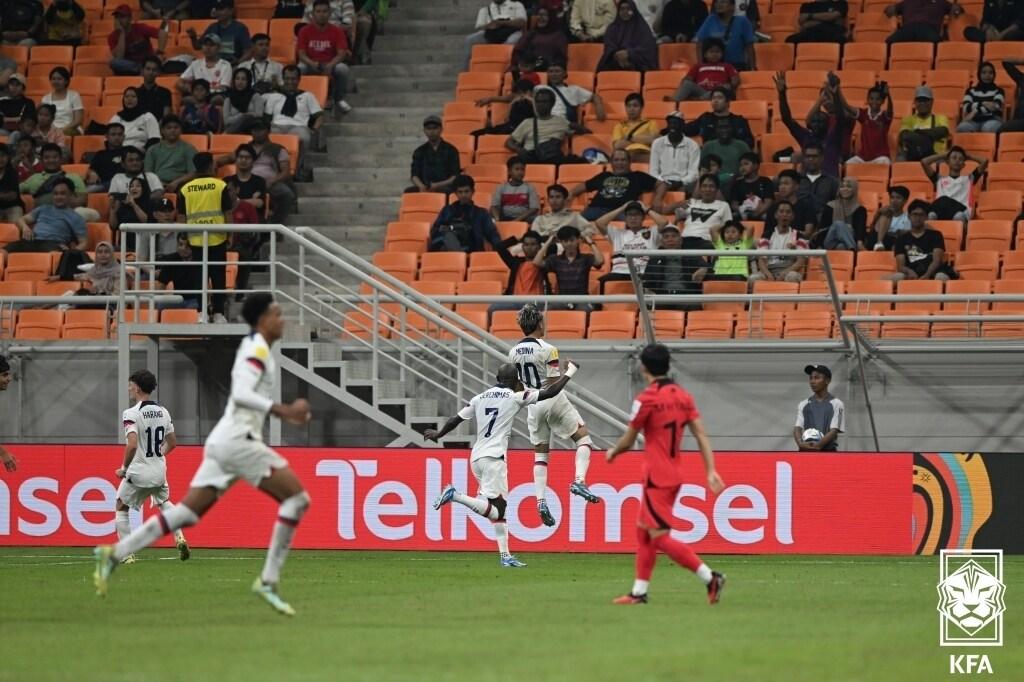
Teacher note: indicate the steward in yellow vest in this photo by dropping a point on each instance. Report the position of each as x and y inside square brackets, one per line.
[204, 201]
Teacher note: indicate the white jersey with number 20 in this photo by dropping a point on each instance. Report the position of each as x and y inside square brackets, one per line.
[495, 410]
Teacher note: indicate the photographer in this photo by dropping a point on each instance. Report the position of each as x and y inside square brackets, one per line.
[133, 206]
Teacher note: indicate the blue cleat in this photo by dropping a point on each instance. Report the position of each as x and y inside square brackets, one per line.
[581, 489]
[545, 514]
[511, 562]
[445, 497]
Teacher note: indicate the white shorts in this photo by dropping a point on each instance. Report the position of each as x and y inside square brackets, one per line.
[135, 496]
[228, 461]
[492, 475]
[557, 415]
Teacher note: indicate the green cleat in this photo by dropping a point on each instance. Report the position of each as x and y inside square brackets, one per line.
[269, 594]
[183, 551]
[105, 565]
[580, 488]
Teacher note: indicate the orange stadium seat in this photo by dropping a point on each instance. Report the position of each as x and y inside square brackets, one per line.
[504, 325]
[179, 316]
[867, 288]
[989, 235]
[612, 324]
[668, 324]
[1013, 265]
[818, 287]
[615, 85]
[421, 207]
[492, 149]
[487, 172]
[85, 324]
[393, 262]
[765, 287]
[810, 56]
[952, 233]
[709, 324]
[1008, 287]
[584, 57]
[978, 264]
[906, 329]
[33, 324]
[979, 144]
[841, 263]
[565, 324]
[759, 325]
[407, 236]
[918, 287]
[473, 85]
[779, 25]
[9, 232]
[966, 287]
[873, 27]
[487, 266]
[958, 54]
[1011, 147]
[511, 228]
[671, 53]
[98, 232]
[491, 58]
[17, 288]
[477, 288]
[57, 288]
[915, 56]
[774, 56]
[28, 266]
[757, 85]
[756, 113]
[807, 324]
[804, 85]
[874, 265]
[872, 177]
[443, 266]
[358, 323]
[864, 55]
[720, 287]
[660, 84]
[949, 84]
[1005, 175]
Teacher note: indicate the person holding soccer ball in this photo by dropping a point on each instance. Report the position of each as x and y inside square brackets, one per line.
[822, 412]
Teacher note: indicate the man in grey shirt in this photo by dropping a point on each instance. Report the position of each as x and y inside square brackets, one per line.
[822, 411]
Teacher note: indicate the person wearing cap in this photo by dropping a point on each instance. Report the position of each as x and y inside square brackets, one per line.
[211, 68]
[922, 20]
[15, 104]
[923, 132]
[323, 48]
[435, 163]
[8, 460]
[822, 411]
[672, 274]
[636, 133]
[633, 236]
[235, 43]
[207, 200]
[20, 22]
[130, 43]
[675, 158]
[166, 242]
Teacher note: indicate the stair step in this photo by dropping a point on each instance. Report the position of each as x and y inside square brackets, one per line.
[405, 84]
[357, 371]
[354, 189]
[391, 391]
[452, 56]
[400, 99]
[417, 70]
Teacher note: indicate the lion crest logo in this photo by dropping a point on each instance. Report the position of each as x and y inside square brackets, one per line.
[970, 597]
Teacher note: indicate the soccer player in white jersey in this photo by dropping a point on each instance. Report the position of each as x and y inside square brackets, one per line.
[536, 361]
[149, 438]
[495, 410]
[6, 458]
[235, 450]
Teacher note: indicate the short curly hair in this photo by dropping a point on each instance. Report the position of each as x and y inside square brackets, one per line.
[530, 318]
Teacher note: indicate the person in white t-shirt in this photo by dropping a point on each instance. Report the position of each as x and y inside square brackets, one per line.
[267, 74]
[574, 95]
[70, 112]
[633, 236]
[501, 21]
[295, 112]
[210, 68]
[703, 212]
[781, 268]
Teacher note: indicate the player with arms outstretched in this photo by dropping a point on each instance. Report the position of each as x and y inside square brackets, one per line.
[495, 411]
[235, 450]
[536, 361]
[6, 458]
[149, 438]
[663, 411]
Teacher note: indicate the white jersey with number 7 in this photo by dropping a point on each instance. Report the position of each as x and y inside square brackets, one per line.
[495, 410]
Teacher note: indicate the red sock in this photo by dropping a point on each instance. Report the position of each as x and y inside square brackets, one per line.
[646, 554]
[678, 552]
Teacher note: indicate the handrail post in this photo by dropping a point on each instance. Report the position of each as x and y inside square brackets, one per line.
[638, 287]
[302, 281]
[826, 267]
[375, 324]
[273, 261]
[864, 386]
[205, 302]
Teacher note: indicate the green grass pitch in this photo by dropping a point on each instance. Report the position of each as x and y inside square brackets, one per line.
[458, 616]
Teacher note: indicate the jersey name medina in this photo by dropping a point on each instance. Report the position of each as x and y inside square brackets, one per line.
[150, 423]
[252, 388]
[495, 411]
[535, 361]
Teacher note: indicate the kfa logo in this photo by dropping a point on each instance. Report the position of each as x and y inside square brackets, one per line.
[971, 594]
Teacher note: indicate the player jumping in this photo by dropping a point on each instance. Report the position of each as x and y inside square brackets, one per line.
[149, 433]
[235, 450]
[663, 411]
[495, 410]
[536, 361]
[7, 458]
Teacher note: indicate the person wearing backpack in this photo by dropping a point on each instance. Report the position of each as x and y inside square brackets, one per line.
[463, 226]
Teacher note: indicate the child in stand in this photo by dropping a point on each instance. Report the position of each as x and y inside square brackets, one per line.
[733, 236]
[874, 127]
[49, 132]
[710, 73]
[26, 160]
[954, 193]
[526, 69]
[200, 117]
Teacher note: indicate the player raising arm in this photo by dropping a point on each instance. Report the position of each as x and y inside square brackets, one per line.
[495, 410]
[145, 468]
[663, 411]
[235, 450]
[7, 458]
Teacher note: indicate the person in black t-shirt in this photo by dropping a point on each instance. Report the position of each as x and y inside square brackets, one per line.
[15, 104]
[249, 188]
[751, 194]
[805, 220]
[11, 208]
[153, 98]
[823, 21]
[921, 251]
[107, 162]
[616, 187]
[183, 277]
[705, 124]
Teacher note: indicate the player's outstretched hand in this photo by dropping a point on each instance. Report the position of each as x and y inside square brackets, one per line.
[297, 412]
[571, 368]
[430, 434]
[715, 482]
[10, 463]
[119, 472]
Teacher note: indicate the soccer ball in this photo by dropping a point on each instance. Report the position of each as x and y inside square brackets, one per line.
[811, 436]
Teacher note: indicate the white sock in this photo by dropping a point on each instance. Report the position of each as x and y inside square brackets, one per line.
[640, 587]
[540, 474]
[704, 573]
[123, 524]
[179, 537]
[288, 516]
[478, 504]
[501, 535]
[582, 459]
[152, 530]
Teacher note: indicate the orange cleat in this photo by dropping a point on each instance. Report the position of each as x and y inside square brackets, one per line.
[630, 599]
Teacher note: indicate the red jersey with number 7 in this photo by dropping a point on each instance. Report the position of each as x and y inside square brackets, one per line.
[662, 412]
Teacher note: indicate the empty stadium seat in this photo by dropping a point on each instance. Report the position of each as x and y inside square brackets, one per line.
[864, 55]
[709, 324]
[84, 324]
[952, 234]
[487, 266]
[476, 288]
[611, 324]
[584, 57]
[28, 266]
[807, 324]
[1005, 175]
[766, 287]
[811, 56]
[421, 207]
[819, 287]
[490, 58]
[33, 324]
[565, 324]
[492, 149]
[504, 325]
[615, 85]
[978, 264]
[989, 235]
[867, 287]
[958, 54]
[999, 204]
[759, 325]
[9, 232]
[874, 265]
[443, 266]
[966, 287]
[620, 288]
[918, 287]
[774, 56]
[57, 288]
[407, 236]
[668, 324]
[474, 85]
[394, 262]
[915, 56]
[179, 316]
[1008, 287]
[1013, 265]
[670, 53]
[841, 263]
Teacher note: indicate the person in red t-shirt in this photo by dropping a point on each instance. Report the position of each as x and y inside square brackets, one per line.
[709, 74]
[130, 43]
[323, 48]
[874, 127]
[663, 411]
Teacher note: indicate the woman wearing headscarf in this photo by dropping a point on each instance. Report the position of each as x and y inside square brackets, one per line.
[242, 105]
[141, 128]
[629, 43]
[104, 278]
[844, 221]
[547, 41]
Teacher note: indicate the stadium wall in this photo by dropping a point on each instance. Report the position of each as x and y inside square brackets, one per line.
[774, 503]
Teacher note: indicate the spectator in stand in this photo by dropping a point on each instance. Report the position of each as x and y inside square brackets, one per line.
[167, 241]
[198, 115]
[735, 31]
[921, 20]
[844, 221]
[821, 21]
[48, 132]
[54, 226]
[105, 163]
[435, 163]
[632, 236]
[28, 127]
[675, 158]
[805, 219]
[182, 277]
[617, 187]
[954, 192]
[1000, 20]
[500, 21]
[342, 14]
[164, 9]
[520, 108]
[524, 277]
[681, 19]
[289, 9]
[750, 196]
[235, 43]
[245, 184]
[295, 112]
[629, 43]
[369, 14]
[921, 250]
[701, 213]
[874, 127]
[63, 23]
[1015, 124]
[891, 220]
[266, 73]
[546, 41]
[130, 43]
[636, 133]
[153, 98]
[20, 21]
[983, 103]
[590, 19]
[242, 104]
[733, 236]
[672, 275]
[15, 104]
[818, 131]
[140, 127]
[570, 267]
[68, 103]
[133, 168]
[710, 74]
[135, 205]
[783, 237]
[728, 149]
[923, 132]
[171, 158]
[559, 214]
[26, 159]
[706, 124]
[569, 98]
[515, 199]
[540, 139]
[463, 226]
[40, 185]
[273, 165]
[210, 68]
[11, 206]
[817, 185]
[323, 49]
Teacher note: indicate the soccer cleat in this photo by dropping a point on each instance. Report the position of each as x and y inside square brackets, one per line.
[268, 594]
[630, 599]
[130, 559]
[545, 513]
[581, 489]
[105, 564]
[511, 562]
[715, 587]
[445, 497]
[183, 551]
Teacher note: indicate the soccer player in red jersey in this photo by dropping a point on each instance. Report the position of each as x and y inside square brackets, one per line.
[663, 411]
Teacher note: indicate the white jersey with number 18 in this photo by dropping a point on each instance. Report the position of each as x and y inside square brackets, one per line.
[150, 423]
[495, 410]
